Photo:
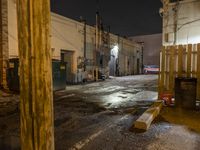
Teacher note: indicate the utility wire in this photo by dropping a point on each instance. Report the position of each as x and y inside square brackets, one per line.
[188, 23]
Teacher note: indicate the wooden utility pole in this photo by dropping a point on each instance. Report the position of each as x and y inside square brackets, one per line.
[36, 100]
[1, 54]
[4, 58]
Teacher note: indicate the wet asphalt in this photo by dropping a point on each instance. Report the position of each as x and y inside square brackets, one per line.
[100, 116]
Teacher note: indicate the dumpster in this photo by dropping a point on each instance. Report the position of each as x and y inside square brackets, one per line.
[185, 93]
[12, 75]
[58, 75]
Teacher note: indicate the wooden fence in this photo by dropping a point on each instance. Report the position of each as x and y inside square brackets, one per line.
[179, 61]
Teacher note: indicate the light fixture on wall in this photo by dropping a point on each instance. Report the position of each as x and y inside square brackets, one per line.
[115, 50]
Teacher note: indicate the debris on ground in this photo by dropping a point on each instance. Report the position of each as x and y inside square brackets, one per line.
[100, 115]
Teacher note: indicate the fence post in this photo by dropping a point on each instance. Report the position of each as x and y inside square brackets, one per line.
[171, 69]
[162, 71]
[198, 71]
[180, 60]
[4, 49]
[189, 55]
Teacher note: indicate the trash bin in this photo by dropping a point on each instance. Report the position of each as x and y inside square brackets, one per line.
[12, 75]
[185, 93]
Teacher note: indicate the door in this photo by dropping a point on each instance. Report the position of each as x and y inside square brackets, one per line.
[67, 57]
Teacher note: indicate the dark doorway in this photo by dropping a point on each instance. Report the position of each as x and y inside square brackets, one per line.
[67, 57]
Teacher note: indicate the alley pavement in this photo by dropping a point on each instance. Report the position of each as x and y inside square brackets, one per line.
[100, 116]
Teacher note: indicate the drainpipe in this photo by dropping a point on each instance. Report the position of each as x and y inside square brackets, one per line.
[142, 57]
[175, 22]
[97, 38]
[97, 31]
[85, 45]
[84, 40]
[117, 69]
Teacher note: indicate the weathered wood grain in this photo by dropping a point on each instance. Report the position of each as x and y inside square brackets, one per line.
[180, 60]
[36, 100]
[189, 59]
[145, 120]
[4, 54]
[162, 71]
[171, 69]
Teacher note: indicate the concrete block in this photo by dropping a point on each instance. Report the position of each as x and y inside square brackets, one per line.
[145, 120]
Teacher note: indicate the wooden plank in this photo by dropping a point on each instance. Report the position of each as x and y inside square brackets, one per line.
[144, 121]
[1, 52]
[198, 71]
[36, 98]
[194, 61]
[162, 71]
[189, 57]
[166, 76]
[180, 60]
[171, 69]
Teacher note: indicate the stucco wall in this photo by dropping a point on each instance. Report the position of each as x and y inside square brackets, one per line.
[188, 23]
[152, 46]
[127, 52]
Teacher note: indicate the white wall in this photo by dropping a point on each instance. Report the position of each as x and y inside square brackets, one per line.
[152, 46]
[188, 23]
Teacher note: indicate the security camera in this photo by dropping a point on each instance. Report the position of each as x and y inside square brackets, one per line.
[161, 10]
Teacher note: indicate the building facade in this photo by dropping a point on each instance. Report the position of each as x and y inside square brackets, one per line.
[180, 56]
[81, 49]
[151, 47]
[181, 22]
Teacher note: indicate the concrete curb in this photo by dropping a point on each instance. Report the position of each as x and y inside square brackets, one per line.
[144, 121]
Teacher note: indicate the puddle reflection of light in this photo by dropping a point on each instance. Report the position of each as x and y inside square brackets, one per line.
[115, 99]
[120, 99]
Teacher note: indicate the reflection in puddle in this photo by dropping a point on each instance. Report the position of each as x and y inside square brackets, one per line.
[121, 99]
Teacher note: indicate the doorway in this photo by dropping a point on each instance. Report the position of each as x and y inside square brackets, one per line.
[67, 58]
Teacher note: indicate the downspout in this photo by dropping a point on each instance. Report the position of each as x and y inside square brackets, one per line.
[85, 36]
[117, 69]
[175, 22]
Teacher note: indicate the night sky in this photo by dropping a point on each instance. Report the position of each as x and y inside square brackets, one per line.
[125, 17]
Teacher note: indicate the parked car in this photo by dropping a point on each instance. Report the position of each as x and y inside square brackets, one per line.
[151, 69]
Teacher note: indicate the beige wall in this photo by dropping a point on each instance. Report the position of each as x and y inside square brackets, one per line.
[12, 29]
[67, 34]
[127, 51]
[188, 23]
[152, 46]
